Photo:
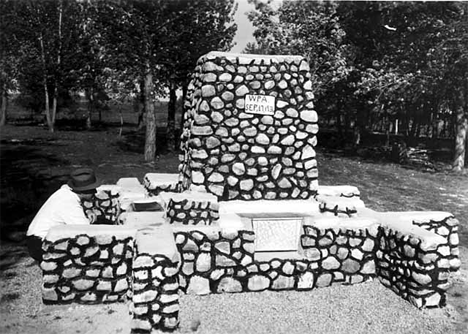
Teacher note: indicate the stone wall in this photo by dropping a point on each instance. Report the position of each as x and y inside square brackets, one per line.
[445, 225]
[415, 266]
[235, 151]
[155, 298]
[105, 205]
[341, 251]
[87, 264]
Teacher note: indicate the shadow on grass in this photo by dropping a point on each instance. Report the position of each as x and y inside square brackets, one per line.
[9, 258]
[134, 141]
[26, 181]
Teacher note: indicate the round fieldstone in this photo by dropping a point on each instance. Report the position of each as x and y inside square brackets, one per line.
[350, 266]
[307, 152]
[305, 281]
[368, 268]
[227, 96]
[229, 284]
[270, 84]
[255, 84]
[288, 140]
[262, 139]
[208, 77]
[267, 120]
[216, 116]
[283, 84]
[250, 132]
[232, 122]
[83, 284]
[217, 103]
[221, 132]
[212, 142]
[242, 91]
[309, 116]
[422, 279]
[225, 77]
[238, 168]
[324, 280]
[258, 283]
[203, 262]
[284, 183]
[368, 245]
[274, 150]
[330, 263]
[216, 177]
[283, 283]
[198, 285]
[201, 119]
[246, 185]
[208, 91]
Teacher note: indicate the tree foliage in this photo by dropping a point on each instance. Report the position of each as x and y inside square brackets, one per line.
[377, 64]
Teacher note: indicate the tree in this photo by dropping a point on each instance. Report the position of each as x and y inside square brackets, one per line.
[138, 35]
[46, 31]
[10, 52]
[208, 26]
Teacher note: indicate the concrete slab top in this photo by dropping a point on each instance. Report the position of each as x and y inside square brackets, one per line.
[251, 56]
[337, 222]
[309, 206]
[188, 195]
[141, 218]
[71, 231]
[128, 182]
[153, 180]
[157, 240]
[342, 190]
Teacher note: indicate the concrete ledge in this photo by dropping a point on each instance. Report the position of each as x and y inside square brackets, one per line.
[338, 191]
[153, 181]
[307, 207]
[157, 240]
[143, 218]
[71, 231]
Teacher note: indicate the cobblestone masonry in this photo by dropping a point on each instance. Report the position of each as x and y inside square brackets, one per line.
[86, 268]
[413, 268]
[447, 227]
[249, 134]
[341, 254]
[105, 206]
[156, 183]
[190, 208]
[236, 153]
[155, 301]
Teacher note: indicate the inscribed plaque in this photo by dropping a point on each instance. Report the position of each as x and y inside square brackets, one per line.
[276, 234]
[260, 104]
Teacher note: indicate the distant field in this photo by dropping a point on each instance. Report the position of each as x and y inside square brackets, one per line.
[112, 114]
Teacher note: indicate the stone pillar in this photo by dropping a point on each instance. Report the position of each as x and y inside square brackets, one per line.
[250, 128]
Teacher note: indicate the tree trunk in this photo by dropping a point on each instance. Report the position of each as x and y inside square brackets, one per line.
[90, 98]
[50, 121]
[3, 115]
[58, 65]
[150, 141]
[460, 141]
[461, 126]
[54, 103]
[171, 111]
[141, 106]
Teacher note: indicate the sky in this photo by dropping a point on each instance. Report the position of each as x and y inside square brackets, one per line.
[244, 27]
